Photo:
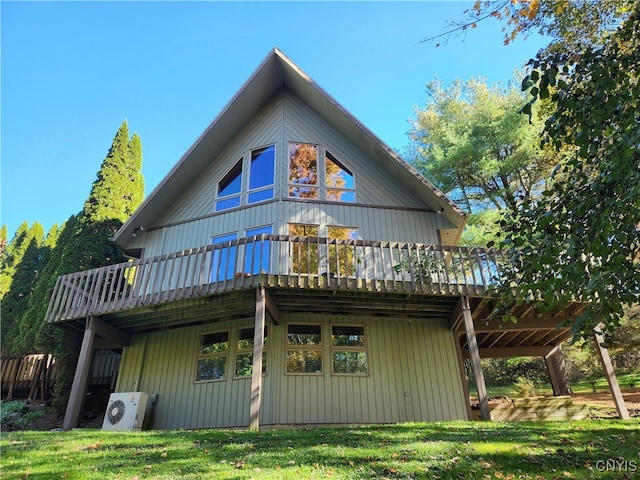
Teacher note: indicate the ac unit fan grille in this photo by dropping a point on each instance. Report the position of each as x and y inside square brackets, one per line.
[115, 412]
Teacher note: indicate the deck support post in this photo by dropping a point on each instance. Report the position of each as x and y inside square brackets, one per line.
[605, 359]
[474, 355]
[557, 372]
[256, 374]
[80, 378]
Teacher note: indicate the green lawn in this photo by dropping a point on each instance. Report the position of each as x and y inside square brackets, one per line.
[453, 450]
[626, 382]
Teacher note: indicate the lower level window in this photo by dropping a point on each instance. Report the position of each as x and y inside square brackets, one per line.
[348, 350]
[304, 349]
[212, 357]
[244, 352]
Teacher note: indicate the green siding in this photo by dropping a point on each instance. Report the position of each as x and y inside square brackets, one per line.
[413, 376]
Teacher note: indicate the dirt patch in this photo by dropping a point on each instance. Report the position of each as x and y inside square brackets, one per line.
[605, 404]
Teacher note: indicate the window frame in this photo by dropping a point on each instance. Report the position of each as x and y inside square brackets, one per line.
[262, 188]
[349, 349]
[214, 355]
[314, 187]
[249, 351]
[234, 195]
[332, 158]
[319, 348]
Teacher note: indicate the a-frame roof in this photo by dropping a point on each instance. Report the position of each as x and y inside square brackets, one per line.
[275, 72]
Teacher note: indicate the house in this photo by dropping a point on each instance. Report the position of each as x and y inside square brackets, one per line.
[293, 269]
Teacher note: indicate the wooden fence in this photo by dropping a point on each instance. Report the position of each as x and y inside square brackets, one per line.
[33, 376]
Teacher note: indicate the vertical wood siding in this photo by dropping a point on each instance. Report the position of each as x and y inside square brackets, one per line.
[413, 375]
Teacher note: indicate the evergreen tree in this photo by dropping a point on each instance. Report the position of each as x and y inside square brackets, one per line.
[84, 244]
[20, 266]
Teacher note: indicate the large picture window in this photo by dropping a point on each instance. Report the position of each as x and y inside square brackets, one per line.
[212, 357]
[244, 352]
[304, 349]
[304, 256]
[348, 350]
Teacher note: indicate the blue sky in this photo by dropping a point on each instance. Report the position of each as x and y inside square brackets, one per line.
[73, 71]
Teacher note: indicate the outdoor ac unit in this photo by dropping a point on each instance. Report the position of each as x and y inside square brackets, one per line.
[125, 411]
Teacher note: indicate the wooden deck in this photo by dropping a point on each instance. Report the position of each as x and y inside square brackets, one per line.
[279, 261]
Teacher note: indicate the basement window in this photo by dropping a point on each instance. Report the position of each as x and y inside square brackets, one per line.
[348, 350]
[304, 349]
[212, 357]
[244, 352]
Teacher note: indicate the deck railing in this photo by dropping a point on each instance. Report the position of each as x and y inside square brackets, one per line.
[277, 261]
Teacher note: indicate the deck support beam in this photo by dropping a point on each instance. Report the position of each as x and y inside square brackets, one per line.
[256, 374]
[474, 354]
[80, 378]
[557, 372]
[614, 387]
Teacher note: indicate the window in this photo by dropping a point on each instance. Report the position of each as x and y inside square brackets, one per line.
[304, 256]
[338, 181]
[303, 170]
[261, 174]
[212, 357]
[223, 263]
[348, 350]
[258, 253]
[244, 352]
[229, 189]
[304, 349]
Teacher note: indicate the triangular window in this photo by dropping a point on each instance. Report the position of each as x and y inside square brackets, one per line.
[229, 188]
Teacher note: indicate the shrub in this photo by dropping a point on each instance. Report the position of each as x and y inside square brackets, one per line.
[15, 414]
[525, 387]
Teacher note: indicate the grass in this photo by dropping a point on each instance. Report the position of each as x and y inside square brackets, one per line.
[626, 382]
[452, 450]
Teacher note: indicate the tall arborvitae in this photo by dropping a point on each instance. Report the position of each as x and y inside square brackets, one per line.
[84, 244]
[20, 265]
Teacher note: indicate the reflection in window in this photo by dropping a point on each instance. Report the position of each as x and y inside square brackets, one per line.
[348, 353]
[261, 174]
[342, 258]
[229, 188]
[212, 357]
[304, 349]
[339, 181]
[304, 255]
[303, 170]
[244, 355]
[258, 253]
[223, 263]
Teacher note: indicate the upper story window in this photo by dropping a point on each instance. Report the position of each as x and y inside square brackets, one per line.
[303, 170]
[261, 174]
[306, 180]
[259, 185]
[339, 181]
[229, 188]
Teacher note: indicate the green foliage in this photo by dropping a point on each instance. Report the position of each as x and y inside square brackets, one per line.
[581, 239]
[482, 228]
[14, 415]
[472, 142]
[525, 387]
[83, 244]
